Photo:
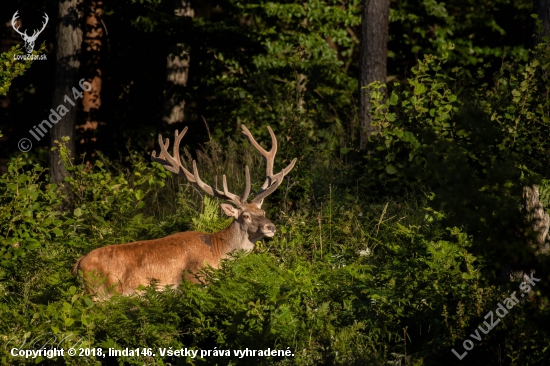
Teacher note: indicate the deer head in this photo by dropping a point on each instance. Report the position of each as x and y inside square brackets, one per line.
[249, 214]
[29, 40]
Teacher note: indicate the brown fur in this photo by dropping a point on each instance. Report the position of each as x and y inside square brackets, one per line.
[75, 267]
[122, 268]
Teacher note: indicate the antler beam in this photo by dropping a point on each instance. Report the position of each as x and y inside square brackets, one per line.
[36, 31]
[272, 181]
[15, 16]
[43, 25]
[173, 164]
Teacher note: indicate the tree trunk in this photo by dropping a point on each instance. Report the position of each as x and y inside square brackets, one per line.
[533, 208]
[537, 218]
[538, 223]
[542, 8]
[91, 62]
[374, 53]
[177, 73]
[69, 41]
[301, 87]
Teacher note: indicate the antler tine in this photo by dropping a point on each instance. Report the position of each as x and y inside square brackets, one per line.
[275, 182]
[177, 141]
[15, 16]
[246, 193]
[272, 181]
[269, 156]
[36, 31]
[233, 197]
[172, 163]
[213, 191]
[44, 24]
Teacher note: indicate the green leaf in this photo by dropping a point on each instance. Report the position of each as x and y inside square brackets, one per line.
[89, 303]
[85, 320]
[390, 169]
[420, 89]
[393, 99]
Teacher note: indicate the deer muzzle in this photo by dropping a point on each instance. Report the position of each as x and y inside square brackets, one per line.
[268, 230]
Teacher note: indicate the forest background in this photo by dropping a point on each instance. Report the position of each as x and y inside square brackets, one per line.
[419, 200]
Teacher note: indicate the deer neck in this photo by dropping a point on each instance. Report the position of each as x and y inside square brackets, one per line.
[233, 238]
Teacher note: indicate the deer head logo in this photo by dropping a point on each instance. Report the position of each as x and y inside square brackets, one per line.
[29, 40]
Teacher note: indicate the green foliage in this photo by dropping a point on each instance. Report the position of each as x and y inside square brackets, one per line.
[343, 283]
[435, 116]
[10, 68]
[28, 220]
[110, 205]
[386, 261]
[477, 29]
[209, 220]
[269, 62]
[473, 144]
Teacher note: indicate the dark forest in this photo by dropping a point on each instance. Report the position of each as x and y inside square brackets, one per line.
[394, 158]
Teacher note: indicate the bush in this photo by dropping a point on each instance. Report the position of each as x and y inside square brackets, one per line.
[472, 145]
[349, 283]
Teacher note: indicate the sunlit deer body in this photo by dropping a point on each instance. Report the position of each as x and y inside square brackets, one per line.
[126, 266]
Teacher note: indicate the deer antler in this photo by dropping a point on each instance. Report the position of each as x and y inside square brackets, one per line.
[272, 181]
[15, 16]
[24, 34]
[36, 33]
[173, 164]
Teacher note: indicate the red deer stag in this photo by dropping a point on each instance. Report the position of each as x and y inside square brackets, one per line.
[124, 267]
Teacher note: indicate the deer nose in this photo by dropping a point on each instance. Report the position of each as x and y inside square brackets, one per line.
[270, 227]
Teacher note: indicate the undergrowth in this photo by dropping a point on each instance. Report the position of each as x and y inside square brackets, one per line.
[389, 258]
[347, 280]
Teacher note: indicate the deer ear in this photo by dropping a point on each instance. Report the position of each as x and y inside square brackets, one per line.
[230, 210]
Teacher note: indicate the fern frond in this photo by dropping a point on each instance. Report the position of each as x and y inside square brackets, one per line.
[209, 221]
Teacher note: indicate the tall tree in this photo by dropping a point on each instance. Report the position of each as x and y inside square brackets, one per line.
[542, 8]
[373, 57]
[94, 31]
[177, 72]
[532, 206]
[69, 41]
